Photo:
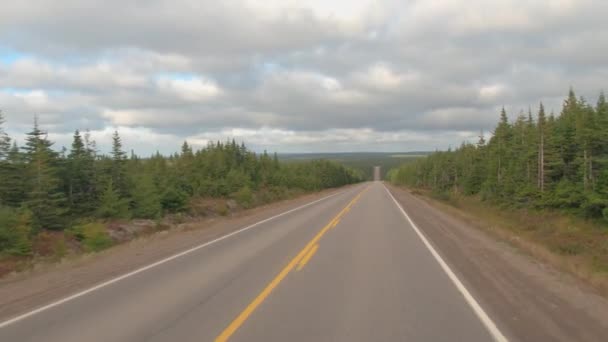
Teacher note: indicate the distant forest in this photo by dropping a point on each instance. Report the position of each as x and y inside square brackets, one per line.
[42, 188]
[362, 161]
[540, 161]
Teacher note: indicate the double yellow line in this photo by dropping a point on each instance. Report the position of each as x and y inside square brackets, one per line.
[301, 260]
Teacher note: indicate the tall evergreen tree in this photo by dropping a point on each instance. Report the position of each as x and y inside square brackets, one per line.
[13, 178]
[119, 166]
[81, 177]
[45, 198]
[5, 141]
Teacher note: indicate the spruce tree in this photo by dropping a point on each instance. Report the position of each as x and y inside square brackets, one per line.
[45, 199]
[111, 205]
[118, 170]
[13, 180]
[5, 141]
[5, 167]
[81, 176]
[146, 198]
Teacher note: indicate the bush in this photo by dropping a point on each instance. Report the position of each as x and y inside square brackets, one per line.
[112, 205]
[15, 232]
[244, 197]
[93, 236]
[605, 213]
[174, 200]
[146, 200]
[593, 206]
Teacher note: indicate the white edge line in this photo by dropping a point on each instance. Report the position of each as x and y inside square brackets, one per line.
[160, 262]
[481, 314]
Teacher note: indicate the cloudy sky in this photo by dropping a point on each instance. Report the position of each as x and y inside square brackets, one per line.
[293, 76]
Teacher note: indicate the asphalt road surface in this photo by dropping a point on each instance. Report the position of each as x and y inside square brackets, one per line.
[351, 267]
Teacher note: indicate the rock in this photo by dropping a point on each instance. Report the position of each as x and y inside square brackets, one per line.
[127, 231]
[231, 204]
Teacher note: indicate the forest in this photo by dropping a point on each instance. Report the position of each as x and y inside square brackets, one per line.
[47, 189]
[542, 161]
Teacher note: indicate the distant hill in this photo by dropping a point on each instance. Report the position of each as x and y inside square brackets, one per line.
[364, 161]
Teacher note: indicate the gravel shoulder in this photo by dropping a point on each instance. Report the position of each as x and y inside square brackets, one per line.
[46, 283]
[528, 299]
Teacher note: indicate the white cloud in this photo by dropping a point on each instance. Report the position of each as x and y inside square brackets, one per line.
[195, 89]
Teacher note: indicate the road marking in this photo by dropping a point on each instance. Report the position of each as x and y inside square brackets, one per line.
[244, 315]
[481, 314]
[308, 256]
[158, 263]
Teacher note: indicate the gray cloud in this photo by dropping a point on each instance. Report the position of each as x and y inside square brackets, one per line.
[387, 75]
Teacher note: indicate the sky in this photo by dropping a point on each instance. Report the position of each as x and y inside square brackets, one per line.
[293, 76]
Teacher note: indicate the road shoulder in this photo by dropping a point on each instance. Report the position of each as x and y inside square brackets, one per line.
[529, 300]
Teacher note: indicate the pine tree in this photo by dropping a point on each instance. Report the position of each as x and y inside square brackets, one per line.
[5, 169]
[600, 141]
[13, 180]
[112, 205]
[81, 176]
[118, 170]
[5, 141]
[542, 130]
[532, 150]
[565, 134]
[44, 196]
[146, 198]
[498, 157]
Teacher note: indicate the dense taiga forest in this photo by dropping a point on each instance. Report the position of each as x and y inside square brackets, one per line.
[43, 189]
[537, 161]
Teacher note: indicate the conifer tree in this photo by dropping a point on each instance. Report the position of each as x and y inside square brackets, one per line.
[111, 205]
[5, 141]
[13, 180]
[146, 198]
[118, 170]
[44, 196]
[81, 176]
[5, 167]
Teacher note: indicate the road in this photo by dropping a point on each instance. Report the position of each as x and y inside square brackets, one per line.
[350, 267]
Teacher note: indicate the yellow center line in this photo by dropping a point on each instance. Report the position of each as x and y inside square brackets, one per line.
[307, 257]
[244, 315]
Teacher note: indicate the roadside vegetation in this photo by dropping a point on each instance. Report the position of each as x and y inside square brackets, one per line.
[542, 177]
[364, 162]
[52, 201]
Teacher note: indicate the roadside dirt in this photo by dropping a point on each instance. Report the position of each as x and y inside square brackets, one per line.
[49, 282]
[528, 299]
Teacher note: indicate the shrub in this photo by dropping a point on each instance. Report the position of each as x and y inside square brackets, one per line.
[244, 197]
[146, 200]
[112, 205]
[93, 236]
[15, 231]
[174, 200]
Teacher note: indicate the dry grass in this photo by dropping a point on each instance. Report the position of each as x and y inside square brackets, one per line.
[571, 244]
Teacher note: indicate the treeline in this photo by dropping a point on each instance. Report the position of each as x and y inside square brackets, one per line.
[541, 161]
[45, 189]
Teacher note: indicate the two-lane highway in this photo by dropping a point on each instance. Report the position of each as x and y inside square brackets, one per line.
[351, 267]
